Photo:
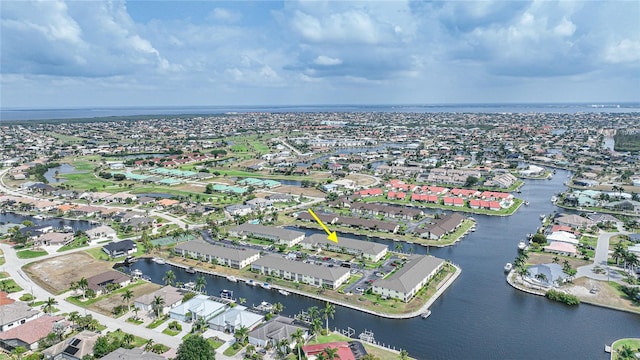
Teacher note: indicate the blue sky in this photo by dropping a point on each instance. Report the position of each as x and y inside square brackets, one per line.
[150, 53]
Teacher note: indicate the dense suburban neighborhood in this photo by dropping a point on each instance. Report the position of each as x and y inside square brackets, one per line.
[229, 196]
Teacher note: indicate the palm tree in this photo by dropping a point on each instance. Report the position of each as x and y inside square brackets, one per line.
[48, 305]
[74, 316]
[283, 347]
[298, 337]
[327, 312]
[83, 285]
[241, 334]
[541, 277]
[249, 350]
[316, 325]
[313, 313]
[127, 339]
[277, 308]
[331, 353]
[631, 260]
[242, 300]
[158, 304]
[169, 277]
[148, 345]
[619, 252]
[556, 260]
[126, 297]
[201, 283]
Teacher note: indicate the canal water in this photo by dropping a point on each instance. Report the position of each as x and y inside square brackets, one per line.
[13, 218]
[480, 316]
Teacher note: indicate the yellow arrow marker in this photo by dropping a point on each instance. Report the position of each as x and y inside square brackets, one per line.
[332, 234]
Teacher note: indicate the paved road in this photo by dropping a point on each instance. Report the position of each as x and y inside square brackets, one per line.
[600, 260]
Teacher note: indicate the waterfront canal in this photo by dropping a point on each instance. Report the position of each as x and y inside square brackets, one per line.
[480, 316]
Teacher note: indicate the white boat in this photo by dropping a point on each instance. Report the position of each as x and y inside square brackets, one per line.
[542, 216]
[190, 270]
[136, 273]
[425, 314]
[38, 217]
[508, 267]
[526, 203]
[190, 285]
[232, 278]
[283, 292]
[251, 282]
[265, 286]
[265, 306]
[159, 261]
[226, 294]
[522, 246]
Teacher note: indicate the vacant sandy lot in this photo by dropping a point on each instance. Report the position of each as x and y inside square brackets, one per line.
[606, 295]
[105, 306]
[56, 274]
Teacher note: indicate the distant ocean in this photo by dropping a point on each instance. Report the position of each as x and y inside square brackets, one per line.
[80, 113]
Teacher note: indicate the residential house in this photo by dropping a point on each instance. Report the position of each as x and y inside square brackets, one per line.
[561, 248]
[574, 221]
[311, 274]
[275, 330]
[120, 248]
[231, 257]
[55, 238]
[628, 206]
[238, 209]
[99, 283]
[200, 306]
[170, 295]
[405, 282]
[101, 232]
[437, 228]
[15, 314]
[30, 333]
[235, 318]
[75, 348]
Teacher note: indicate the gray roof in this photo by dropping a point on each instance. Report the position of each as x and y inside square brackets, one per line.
[367, 247]
[299, 267]
[16, 311]
[204, 248]
[169, 294]
[237, 316]
[411, 274]
[284, 234]
[276, 329]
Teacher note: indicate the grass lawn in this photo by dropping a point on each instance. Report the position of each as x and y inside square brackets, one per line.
[9, 286]
[233, 349]
[134, 321]
[170, 332]
[157, 322]
[4, 274]
[30, 254]
[97, 253]
[634, 344]
[76, 243]
[86, 181]
[119, 334]
[215, 343]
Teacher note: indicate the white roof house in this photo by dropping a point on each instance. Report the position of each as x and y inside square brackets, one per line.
[200, 306]
[563, 236]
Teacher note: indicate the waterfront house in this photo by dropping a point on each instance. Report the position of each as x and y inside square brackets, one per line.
[235, 318]
[437, 228]
[574, 221]
[342, 348]
[55, 238]
[297, 271]
[231, 257]
[274, 330]
[277, 235]
[561, 248]
[170, 295]
[200, 306]
[368, 249]
[99, 283]
[120, 248]
[404, 283]
[101, 232]
[628, 206]
[30, 333]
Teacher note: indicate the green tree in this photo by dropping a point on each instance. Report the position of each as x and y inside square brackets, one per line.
[169, 277]
[328, 311]
[330, 353]
[241, 334]
[298, 337]
[158, 305]
[83, 285]
[127, 295]
[49, 304]
[195, 347]
[201, 283]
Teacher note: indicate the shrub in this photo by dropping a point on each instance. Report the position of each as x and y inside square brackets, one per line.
[26, 297]
[562, 297]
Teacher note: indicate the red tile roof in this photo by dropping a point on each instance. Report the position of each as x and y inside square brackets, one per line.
[344, 352]
[32, 331]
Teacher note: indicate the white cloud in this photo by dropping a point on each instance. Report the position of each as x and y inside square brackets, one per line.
[226, 15]
[327, 61]
[625, 51]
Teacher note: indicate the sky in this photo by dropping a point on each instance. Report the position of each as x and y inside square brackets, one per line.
[58, 54]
